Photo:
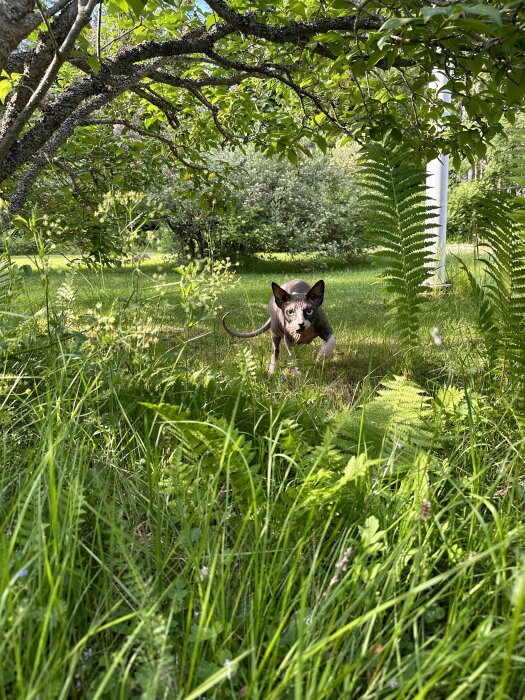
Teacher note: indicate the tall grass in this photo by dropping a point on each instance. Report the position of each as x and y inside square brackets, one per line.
[176, 528]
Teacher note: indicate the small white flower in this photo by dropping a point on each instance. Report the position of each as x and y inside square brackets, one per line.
[394, 683]
[229, 669]
[204, 574]
[438, 340]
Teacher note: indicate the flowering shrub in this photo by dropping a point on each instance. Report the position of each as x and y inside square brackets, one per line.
[262, 204]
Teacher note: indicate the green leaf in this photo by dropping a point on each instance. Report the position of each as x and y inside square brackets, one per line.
[151, 120]
[321, 142]
[122, 5]
[429, 12]
[485, 11]
[394, 23]
[5, 89]
[211, 19]
[516, 90]
[168, 411]
[292, 156]
[137, 6]
[93, 63]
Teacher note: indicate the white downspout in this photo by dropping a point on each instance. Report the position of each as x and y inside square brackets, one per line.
[437, 196]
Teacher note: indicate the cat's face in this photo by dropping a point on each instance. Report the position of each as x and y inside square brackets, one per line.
[299, 310]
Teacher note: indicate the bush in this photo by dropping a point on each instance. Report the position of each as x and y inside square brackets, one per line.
[269, 205]
[238, 203]
[464, 204]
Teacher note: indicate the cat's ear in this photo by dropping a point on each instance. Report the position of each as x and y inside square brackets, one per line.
[280, 294]
[316, 293]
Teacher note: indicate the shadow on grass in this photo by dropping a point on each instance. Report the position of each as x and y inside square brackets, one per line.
[286, 264]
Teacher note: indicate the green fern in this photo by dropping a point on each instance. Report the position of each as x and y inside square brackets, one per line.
[5, 282]
[397, 219]
[192, 466]
[501, 300]
[393, 427]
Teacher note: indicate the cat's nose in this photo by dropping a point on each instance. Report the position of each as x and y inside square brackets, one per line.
[301, 326]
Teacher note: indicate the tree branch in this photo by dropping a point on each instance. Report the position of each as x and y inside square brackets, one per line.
[296, 32]
[274, 72]
[12, 132]
[44, 155]
[17, 21]
[148, 134]
[35, 65]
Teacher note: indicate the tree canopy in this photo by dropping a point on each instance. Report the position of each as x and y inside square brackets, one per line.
[281, 75]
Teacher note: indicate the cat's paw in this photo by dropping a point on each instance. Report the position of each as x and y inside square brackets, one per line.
[326, 349]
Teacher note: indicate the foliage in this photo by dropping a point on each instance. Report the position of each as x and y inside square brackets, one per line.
[502, 299]
[500, 167]
[120, 227]
[261, 204]
[201, 284]
[126, 219]
[309, 207]
[499, 217]
[465, 203]
[398, 219]
[495, 174]
[172, 72]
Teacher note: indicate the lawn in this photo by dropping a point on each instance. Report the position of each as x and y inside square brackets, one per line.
[353, 302]
[175, 524]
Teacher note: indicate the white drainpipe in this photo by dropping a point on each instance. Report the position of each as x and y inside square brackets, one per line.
[437, 196]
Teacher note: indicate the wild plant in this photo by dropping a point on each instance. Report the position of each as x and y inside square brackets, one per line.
[501, 297]
[398, 220]
[201, 284]
[127, 215]
[175, 527]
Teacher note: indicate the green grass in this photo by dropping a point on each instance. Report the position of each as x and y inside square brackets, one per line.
[174, 524]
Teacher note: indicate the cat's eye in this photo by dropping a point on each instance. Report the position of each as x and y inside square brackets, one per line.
[308, 312]
[289, 312]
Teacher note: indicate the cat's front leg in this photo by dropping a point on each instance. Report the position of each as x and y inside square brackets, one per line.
[326, 349]
[275, 354]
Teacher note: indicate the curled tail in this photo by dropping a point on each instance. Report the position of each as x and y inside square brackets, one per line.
[260, 330]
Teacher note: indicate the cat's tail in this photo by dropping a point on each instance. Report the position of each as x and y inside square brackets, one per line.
[260, 330]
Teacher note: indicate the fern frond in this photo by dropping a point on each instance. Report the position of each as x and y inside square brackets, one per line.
[5, 282]
[398, 220]
[398, 416]
[501, 300]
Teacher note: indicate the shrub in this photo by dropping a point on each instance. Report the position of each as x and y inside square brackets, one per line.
[268, 205]
[465, 200]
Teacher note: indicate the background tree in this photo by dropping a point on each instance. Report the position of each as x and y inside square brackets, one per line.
[493, 177]
[308, 70]
[258, 204]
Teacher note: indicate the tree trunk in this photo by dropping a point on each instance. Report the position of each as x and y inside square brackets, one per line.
[14, 15]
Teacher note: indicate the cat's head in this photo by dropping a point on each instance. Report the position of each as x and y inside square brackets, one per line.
[299, 310]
